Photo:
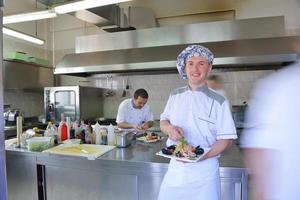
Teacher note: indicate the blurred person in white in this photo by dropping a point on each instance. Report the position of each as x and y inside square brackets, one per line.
[215, 82]
[134, 113]
[271, 142]
[202, 117]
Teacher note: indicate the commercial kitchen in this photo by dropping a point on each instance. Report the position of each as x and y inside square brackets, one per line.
[87, 61]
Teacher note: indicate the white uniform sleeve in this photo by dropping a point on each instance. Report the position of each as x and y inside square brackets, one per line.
[166, 114]
[225, 124]
[263, 117]
[121, 116]
[148, 114]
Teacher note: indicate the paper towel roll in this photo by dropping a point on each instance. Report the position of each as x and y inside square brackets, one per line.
[19, 130]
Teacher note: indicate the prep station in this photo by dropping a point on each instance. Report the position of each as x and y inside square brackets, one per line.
[130, 173]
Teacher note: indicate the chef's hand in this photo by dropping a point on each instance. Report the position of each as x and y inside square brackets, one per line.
[138, 128]
[175, 133]
[145, 126]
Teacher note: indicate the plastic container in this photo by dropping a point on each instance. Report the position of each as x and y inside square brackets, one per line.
[39, 143]
[21, 56]
[38, 61]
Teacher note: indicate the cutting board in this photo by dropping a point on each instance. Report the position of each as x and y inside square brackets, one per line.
[91, 151]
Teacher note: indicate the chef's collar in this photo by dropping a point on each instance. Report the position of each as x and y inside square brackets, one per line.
[132, 105]
[203, 88]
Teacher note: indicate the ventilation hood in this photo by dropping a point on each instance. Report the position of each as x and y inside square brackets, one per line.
[112, 18]
[257, 42]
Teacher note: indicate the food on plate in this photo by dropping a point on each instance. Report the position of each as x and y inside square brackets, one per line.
[152, 136]
[183, 149]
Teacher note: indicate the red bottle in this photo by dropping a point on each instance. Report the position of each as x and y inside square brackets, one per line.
[63, 132]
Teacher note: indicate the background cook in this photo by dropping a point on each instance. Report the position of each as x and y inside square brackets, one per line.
[135, 113]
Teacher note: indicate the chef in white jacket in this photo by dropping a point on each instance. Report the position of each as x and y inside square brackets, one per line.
[271, 140]
[202, 117]
[134, 113]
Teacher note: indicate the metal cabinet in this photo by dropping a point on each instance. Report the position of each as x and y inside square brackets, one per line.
[39, 176]
[21, 176]
[78, 184]
[233, 183]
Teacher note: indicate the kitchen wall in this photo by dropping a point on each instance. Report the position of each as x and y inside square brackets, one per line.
[31, 103]
[237, 84]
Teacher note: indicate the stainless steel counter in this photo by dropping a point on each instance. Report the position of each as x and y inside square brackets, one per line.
[136, 171]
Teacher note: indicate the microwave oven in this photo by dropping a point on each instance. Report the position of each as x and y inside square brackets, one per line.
[76, 102]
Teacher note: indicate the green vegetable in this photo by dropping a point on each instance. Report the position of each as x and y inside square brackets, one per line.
[182, 142]
[37, 145]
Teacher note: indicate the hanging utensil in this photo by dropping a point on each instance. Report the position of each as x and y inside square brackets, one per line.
[109, 86]
[124, 89]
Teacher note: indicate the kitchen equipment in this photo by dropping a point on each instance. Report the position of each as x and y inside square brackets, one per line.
[247, 43]
[109, 83]
[76, 102]
[238, 114]
[125, 87]
[124, 138]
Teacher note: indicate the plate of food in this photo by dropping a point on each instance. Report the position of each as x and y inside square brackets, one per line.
[150, 137]
[183, 152]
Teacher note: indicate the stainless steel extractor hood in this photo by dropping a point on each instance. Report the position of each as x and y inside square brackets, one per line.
[248, 42]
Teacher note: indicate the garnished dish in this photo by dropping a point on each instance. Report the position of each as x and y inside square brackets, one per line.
[150, 137]
[183, 151]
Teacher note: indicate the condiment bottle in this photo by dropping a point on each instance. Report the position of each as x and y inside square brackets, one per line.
[111, 135]
[103, 135]
[97, 131]
[63, 129]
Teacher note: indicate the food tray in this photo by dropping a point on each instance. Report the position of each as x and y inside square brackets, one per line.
[143, 139]
[184, 159]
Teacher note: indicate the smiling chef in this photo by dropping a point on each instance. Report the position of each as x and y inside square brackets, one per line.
[202, 117]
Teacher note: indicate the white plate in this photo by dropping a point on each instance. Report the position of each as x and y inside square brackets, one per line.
[143, 139]
[184, 158]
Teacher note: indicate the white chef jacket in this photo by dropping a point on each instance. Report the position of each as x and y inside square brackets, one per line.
[205, 117]
[127, 113]
[273, 122]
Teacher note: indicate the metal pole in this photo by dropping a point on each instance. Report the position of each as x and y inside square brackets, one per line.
[3, 183]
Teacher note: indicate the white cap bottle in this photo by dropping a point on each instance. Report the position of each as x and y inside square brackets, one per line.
[111, 135]
[97, 130]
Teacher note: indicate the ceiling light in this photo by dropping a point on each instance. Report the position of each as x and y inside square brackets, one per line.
[22, 36]
[29, 16]
[86, 4]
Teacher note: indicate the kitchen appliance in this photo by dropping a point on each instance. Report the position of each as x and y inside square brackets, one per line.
[76, 102]
[238, 114]
[124, 138]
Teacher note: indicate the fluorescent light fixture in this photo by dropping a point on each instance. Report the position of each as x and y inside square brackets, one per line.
[22, 36]
[29, 16]
[86, 4]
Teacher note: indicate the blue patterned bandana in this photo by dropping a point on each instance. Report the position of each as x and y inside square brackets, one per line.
[192, 51]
